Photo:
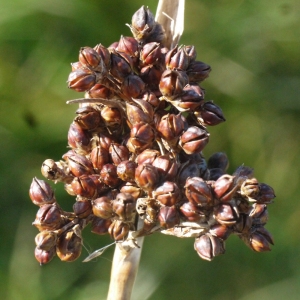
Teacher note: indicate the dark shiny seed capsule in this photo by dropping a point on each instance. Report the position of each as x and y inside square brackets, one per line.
[167, 194]
[99, 157]
[44, 256]
[84, 186]
[100, 226]
[225, 214]
[81, 80]
[109, 175]
[102, 208]
[46, 240]
[218, 160]
[82, 208]
[118, 230]
[126, 170]
[147, 177]
[192, 212]
[41, 193]
[168, 217]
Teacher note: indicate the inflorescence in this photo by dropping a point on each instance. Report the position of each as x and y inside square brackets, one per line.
[135, 164]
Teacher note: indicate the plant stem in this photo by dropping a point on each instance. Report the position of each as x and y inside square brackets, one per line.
[124, 269]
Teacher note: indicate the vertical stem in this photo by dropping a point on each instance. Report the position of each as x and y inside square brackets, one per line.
[124, 269]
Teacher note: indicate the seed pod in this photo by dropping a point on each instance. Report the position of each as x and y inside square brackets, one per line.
[191, 53]
[146, 177]
[78, 137]
[210, 114]
[76, 65]
[177, 59]
[124, 206]
[89, 58]
[99, 157]
[243, 224]
[51, 171]
[44, 256]
[102, 208]
[225, 214]
[220, 231]
[102, 140]
[225, 188]
[104, 54]
[100, 91]
[193, 140]
[79, 165]
[131, 188]
[48, 217]
[259, 214]
[209, 246]
[150, 98]
[82, 208]
[109, 175]
[192, 212]
[118, 230]
[100, 226]
[81, 80]
[46, 240]
[151, 75]
[198, 71]
[141, 137]
[186, 170]
[101, 187]
[170, 127]
[150, 54]
[69, 245]
[218, 160]
[84, 186]
[266, 194]
[140, 111]
[111, 116]
[126, 170]
[132, 86]
[142, 23]
[41, 193]
[147, 156]
[130, 46]
[172, 83]
[119, 67]
[198, 192]
[88, 118]
[167, 194]
[168, 217]
[166, 166]
[118, 153]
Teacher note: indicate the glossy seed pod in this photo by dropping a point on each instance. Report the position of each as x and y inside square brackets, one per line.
[198, 192]
[118, 153]
[210, 114]
[104, 54]
[100, 226]
[109, 175]
[177, 59]
[167, 193]
[87, 117]
[126, 170]
[78, 137]
[243, 224]
[259, 214]
[170, 127]
[46, 240]
[225, 188]
[44, 256]
[99, 157]
[147, 156]
[166, 166]
[146, 177]
[82, 208]
[89, 58]
[150, 54]
[168, 217]
[192, 212]
[225, 214]
[81, 80]
[118, 230]
[220, 231]
[41, 193]
[130, 46]
[100, 91]
[132, 86]
[124, 206]
[102, 208]
[131, 188]
[198, 71]
[209, 246]
[79, 165]
[266, 194]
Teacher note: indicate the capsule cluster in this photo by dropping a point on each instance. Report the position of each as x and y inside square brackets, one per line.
[135, 164]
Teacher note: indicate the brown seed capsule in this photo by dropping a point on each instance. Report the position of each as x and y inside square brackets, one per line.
[46, 240]
[104, 54]
[41, 193]
[250, 189]
[218, 160]
[141, 137]
[101, 187]
[146, 177]
[150, 54]
[225, 214]
[111, 116]
[188, 169]
[99, 157]
[168, 217]
[51, 171]
[118, 230]
[124, 206]
[69, 245]
[220, 231]
[147, 156]
[170, 127]
[172, 83]
[259, 214]
[100, 91]
[266, 194]
[81, 80]
[43, 256]
[132, 86]
[131, 188]
[192, 212]
[89, 58]
[87, 117]
[209, 246]
[78, 137]
[193, 140]
[225, 187]
[243, 224]
[167, 194]
[177, 59]
[198, 192]
[102, 208]
[150, 98]
[48, 217]
[82, 208]
[84, 186]
[130, 46]
[79, 165]
[118, 153]
[151, 75]
[119, 67]
[166, 166]
[126, 170]
[191, 53]
[109, 175]
[100, 226]
[210, 114]
[198, 71]
[140, 111]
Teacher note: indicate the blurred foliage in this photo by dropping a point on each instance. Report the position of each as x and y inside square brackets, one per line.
[253, 48]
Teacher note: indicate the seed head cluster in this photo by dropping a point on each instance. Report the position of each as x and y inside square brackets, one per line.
[135, 164]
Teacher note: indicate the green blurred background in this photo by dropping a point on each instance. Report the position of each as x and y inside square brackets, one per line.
[253, 48]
